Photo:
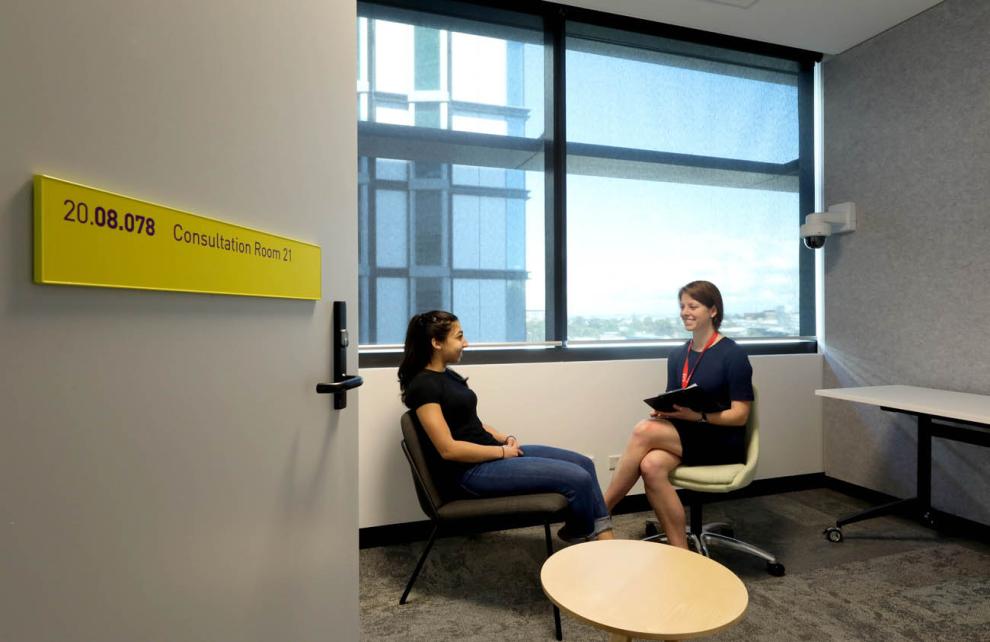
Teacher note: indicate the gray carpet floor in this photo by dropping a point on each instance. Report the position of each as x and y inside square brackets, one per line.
[891, 579]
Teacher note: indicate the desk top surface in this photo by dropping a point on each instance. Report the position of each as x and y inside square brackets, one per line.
[644, 589]
[927, 401]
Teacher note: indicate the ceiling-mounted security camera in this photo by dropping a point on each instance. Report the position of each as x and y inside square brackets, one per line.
[818, 226]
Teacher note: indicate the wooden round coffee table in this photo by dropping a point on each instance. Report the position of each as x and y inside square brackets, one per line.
[644, 590]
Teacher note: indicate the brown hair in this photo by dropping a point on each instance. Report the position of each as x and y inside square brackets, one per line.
[705, 293]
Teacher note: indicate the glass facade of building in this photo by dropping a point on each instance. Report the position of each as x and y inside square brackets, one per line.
[446, 227]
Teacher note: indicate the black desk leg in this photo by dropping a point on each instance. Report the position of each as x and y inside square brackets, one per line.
[925, 469]
[900, 506]
[919, 507]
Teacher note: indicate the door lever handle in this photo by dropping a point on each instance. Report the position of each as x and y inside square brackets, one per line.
[345, 384]
[338, 360]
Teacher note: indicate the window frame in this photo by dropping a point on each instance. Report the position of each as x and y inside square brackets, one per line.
[555, 18]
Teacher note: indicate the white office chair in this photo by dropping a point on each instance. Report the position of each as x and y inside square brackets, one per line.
[699, 480]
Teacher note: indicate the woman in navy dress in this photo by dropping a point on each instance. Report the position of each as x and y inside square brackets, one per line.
[705, 436]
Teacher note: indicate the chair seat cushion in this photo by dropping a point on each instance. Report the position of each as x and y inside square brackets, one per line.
[711, 479]
[533, 505]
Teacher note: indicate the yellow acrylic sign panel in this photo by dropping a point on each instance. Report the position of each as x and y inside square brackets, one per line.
[86, 236]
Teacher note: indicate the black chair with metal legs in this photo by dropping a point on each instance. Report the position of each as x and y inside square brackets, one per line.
[449, 509]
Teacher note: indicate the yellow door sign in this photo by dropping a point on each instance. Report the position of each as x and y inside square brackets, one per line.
[86, 236]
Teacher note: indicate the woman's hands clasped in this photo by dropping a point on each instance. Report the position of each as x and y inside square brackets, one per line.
[511, 448]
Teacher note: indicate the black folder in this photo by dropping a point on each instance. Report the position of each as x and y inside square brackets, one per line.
[692, 397]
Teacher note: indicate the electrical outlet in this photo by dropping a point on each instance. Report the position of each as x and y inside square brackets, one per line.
[613, 461]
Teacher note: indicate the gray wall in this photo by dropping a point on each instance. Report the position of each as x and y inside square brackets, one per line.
[166, 471]
[907, 301]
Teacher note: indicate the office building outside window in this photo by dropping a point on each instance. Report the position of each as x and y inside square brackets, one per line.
[678, 160]
[451, 176]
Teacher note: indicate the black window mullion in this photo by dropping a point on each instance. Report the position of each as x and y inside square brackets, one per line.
[372, 241]
[806, 199]
[556, 179]
[372, 278]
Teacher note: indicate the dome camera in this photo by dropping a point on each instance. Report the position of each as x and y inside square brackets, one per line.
[814, 232]
[818, 226]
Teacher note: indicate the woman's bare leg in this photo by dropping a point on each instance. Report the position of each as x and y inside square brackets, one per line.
[655, 468]
[649, 434]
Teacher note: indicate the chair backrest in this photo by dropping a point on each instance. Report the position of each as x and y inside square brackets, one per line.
[725, 477]
[752, 440]
[433, 486]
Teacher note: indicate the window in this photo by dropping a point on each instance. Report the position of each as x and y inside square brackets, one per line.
[451, 145]
[565, 219]
[673, 141]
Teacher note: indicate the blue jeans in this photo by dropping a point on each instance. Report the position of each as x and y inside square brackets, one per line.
[545, 469]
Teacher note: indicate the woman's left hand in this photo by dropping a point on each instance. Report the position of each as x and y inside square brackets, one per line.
[511, 440]
[680, 412]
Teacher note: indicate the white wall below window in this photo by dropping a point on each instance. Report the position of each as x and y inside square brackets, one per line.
[585, 406]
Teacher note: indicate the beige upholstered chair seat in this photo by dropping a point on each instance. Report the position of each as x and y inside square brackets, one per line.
[699, 480]
[712, 479]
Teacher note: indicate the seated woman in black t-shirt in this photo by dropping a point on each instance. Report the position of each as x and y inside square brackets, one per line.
[706, 436]
[481, 460]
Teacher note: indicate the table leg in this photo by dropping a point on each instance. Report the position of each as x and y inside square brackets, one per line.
[919, 506]
[924, 507]
[618, 637]
[899, 507]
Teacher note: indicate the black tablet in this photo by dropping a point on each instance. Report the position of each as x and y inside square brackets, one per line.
[692, 397]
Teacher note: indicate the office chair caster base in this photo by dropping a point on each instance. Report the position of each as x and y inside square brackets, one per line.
[652, 528]
[722, 528]
[775, 569]
[833, 534]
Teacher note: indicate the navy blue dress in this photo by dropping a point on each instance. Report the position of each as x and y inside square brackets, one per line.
[726, 375]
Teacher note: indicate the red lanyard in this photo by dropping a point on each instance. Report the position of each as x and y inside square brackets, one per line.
[685, 375]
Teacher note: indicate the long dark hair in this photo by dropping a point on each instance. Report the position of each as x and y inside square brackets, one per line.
[705, 293]
[418, 351]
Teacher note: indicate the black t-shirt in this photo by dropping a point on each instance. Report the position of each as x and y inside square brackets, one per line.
[458, 403]
[724, 373]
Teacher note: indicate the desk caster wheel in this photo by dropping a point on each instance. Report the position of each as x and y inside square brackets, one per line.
[775, 569]
[833, 534]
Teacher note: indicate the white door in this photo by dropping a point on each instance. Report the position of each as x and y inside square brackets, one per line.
[167, 471]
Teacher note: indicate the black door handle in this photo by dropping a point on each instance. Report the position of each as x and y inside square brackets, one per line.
[341, 382]
[348, 382]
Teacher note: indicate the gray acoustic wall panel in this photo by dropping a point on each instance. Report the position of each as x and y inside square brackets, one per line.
[907, 296]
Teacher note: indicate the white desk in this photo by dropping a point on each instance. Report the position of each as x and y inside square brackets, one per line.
[931, 407]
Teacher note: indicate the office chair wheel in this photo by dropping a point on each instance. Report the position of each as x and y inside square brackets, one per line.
[652, 529]
[775, 569]
[833, 534]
